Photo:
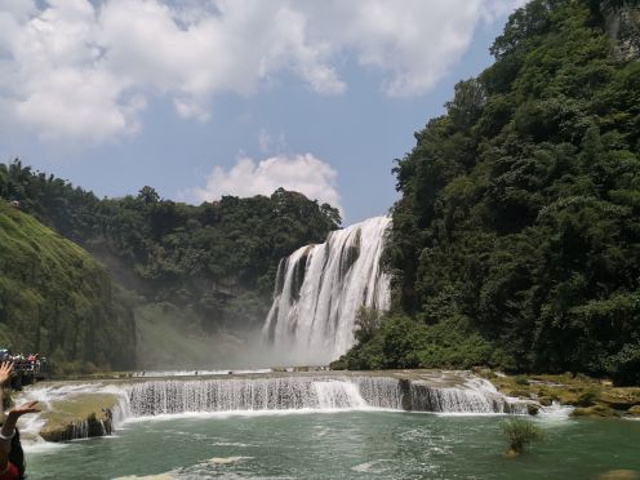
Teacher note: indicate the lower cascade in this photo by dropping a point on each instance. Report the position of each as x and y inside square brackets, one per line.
[319, 290]
[437, 392]
[153, 398]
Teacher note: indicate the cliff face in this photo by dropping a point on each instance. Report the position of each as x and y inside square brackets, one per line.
[623, 25]
[57, 300]
[513, 241]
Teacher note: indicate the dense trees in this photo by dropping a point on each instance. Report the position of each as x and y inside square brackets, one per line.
[516, 240]
[217, 259]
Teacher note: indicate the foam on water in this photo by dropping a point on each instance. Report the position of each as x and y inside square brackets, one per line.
[162, 476]
[555, 412]
[192, 373]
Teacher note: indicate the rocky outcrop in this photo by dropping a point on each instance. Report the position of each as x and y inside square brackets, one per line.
[83, 416]
[634, 411]
[622, 20]
[596, 411]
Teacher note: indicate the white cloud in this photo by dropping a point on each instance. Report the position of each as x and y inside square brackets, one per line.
[73, 69]
[300, 173]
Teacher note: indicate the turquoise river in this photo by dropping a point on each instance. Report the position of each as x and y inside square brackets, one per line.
[340, 445]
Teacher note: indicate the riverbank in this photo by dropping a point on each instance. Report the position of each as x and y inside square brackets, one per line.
[591, 397]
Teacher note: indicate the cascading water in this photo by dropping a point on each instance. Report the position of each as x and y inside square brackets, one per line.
[319, 290]
[313, 393]
[453, 392]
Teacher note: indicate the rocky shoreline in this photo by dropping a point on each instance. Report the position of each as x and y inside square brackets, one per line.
[591, 397]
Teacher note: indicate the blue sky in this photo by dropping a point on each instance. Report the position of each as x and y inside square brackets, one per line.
[201, 98]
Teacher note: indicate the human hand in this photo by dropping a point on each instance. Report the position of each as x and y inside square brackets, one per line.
[6, 372]
[29, 407]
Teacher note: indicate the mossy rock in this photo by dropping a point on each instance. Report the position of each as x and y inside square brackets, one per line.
[519, 393]
[588, 398]
[546, 401]
[596, 411]
[87, 414]
[532, 409]
[621, 398]
[634, 411]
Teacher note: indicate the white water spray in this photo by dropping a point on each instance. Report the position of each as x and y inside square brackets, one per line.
[319, 290]
[449, 393]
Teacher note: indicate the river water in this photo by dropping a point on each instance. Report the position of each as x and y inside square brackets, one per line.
[339, 445]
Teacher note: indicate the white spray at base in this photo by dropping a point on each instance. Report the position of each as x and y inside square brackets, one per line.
[319, 290]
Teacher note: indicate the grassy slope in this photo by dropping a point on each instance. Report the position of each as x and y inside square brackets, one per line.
[56, 299]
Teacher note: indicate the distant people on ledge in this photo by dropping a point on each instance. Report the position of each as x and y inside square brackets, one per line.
[27, 368]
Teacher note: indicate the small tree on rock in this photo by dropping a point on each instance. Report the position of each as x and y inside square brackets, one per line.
[520, 432]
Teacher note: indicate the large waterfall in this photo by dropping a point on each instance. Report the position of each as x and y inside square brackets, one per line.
[319, 290]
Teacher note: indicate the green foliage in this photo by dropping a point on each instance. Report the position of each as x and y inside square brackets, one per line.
[401, 342]
[366, 322]
[209, 258]
[57, 300]
[521, 432]
[519, 219]
[624, 366]
[521, 380]
[212, 267]
[588, 398]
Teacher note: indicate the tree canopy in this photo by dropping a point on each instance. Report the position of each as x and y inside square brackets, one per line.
[208, 258]
[516, 240]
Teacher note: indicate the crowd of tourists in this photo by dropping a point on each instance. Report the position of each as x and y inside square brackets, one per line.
[26, 368]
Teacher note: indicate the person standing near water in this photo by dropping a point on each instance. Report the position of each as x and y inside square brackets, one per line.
[11, 455]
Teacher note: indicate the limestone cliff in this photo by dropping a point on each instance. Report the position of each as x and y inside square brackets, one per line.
[622, 19]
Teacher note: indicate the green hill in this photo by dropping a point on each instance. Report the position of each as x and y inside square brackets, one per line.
[56, 299]
[201, 277]
[516, 240]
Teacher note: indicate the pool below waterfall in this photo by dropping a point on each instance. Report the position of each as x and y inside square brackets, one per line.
[339, 444]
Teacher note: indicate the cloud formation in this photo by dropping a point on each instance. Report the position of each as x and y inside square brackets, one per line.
[72, 69]
[301, 173]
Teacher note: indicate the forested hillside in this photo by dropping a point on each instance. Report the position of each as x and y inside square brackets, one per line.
[217, 259]
[516, 242]
[56, 299]
[194, 270]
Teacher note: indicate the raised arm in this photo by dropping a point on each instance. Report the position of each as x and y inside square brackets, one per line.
[6, 372]
[8, 430]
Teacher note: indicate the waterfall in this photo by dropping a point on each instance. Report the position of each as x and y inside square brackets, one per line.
[319, 290]
[312, 393]
[424, 391]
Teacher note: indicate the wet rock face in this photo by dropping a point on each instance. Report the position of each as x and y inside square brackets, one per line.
[79, 416]
[93, 426]
[623, 24]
